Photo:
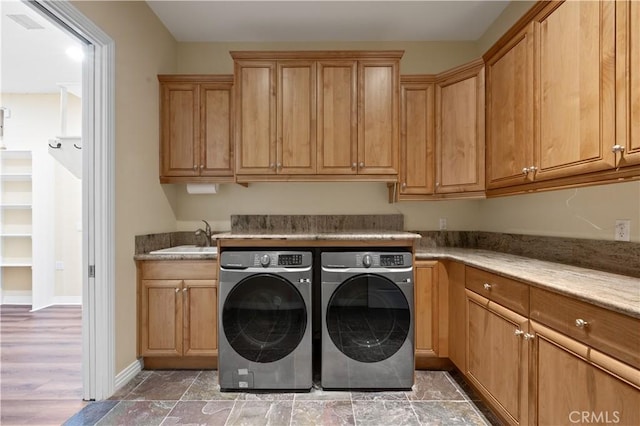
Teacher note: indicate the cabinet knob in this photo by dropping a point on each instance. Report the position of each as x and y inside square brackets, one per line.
[580, 323]
[177, 290]
[361, 164]
[487, 286]
[201, 166]
[533, 169]
[528, 336]
[279, 165]
[184, 290]
[617, 148]
[525, 171]
[353, 166]
[195, 167]
[272, 165]
[519, 332]
[404, 185]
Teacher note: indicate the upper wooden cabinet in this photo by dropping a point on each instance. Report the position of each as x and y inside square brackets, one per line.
[561, 103]
[628, 83]
[317, 113]
[510, 112]
[196, 128]
[417, 135]
[575, 88]
[460, 95]
[275, 130]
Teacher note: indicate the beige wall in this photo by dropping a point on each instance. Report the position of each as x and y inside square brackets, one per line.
[419, 57]
[144, 49]
[507, 18]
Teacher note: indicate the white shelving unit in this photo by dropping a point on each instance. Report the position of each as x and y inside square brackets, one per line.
[16, 251]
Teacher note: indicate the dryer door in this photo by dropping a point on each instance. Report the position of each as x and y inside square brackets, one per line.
[264, 318]
[368, 318]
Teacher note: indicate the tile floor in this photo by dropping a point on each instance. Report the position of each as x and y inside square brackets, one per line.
[193, 397]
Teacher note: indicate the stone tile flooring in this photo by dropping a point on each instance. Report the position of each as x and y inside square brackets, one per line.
[193, 397]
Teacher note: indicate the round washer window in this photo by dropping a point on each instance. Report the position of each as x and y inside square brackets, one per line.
[368, 318]
[264, 318]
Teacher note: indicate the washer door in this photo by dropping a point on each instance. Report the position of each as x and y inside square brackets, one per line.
[368, 318]
[264, 318]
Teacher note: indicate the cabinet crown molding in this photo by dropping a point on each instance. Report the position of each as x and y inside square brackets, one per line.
[317, 54]
[195, 78]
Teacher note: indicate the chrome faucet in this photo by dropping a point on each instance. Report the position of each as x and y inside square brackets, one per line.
[206, 232]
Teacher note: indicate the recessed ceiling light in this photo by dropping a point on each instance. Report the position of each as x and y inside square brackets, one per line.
[75, 53]
[26, 22]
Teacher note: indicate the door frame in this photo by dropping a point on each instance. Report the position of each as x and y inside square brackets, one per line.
[98, 196]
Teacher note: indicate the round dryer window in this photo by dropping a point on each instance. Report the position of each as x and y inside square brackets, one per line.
[368, 318]
[264, 318]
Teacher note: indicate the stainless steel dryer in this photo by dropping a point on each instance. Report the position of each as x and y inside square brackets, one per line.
[367, 329]
[265, 320]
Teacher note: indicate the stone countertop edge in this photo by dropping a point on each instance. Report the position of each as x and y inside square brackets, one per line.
[615, 292]
[333, 236]
[198, 256]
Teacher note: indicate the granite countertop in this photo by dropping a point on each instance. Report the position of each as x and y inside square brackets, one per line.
[619, 293]
[328, 236]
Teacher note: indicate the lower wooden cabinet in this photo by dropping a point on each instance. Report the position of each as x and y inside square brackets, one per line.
[498, 356]
[177, 310]
[538, 357]
[575, 384]
[431, 315]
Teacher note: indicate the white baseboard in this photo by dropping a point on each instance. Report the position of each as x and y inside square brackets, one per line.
[16, 297]
[123, 377]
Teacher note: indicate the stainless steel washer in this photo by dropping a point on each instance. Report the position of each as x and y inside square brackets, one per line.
[265, 320]
[367, 328]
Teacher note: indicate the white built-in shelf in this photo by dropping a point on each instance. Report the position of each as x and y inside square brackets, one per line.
[15, 262]
[13, 235]
[14, 153]
[16, 177]
[15, 206]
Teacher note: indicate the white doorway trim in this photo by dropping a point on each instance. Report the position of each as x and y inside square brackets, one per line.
[98, 197]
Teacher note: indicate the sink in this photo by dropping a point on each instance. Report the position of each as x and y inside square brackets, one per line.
[186, 250]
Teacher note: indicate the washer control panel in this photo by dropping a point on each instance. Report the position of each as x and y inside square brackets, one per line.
[391, 260]
[265, 259]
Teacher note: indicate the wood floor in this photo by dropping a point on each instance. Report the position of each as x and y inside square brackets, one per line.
[40, 369]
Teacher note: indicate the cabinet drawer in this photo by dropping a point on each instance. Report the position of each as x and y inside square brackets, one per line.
[179, 269]
[508, 293]
[610, 332]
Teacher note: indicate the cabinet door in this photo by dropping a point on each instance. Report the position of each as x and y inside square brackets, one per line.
[417, 137]
[457, 315]
[256, 117]
[200, 317]
[161, 318]
[575, 93]
[216, 112]
[628, 82]
[498, 357]
[378, 113]
[337, 117]
[180, 130]
[460, 131]
[296, 152]
[426, 310]
[576, 384]
[510, 112]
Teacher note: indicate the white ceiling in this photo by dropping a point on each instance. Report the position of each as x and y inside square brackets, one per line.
[266, 21]
[34, 61]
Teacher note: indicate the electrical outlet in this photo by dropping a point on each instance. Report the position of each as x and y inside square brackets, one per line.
[623, 230]
[443, 223]
[59, 265]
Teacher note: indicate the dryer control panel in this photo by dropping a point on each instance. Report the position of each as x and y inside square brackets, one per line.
[385, 260]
